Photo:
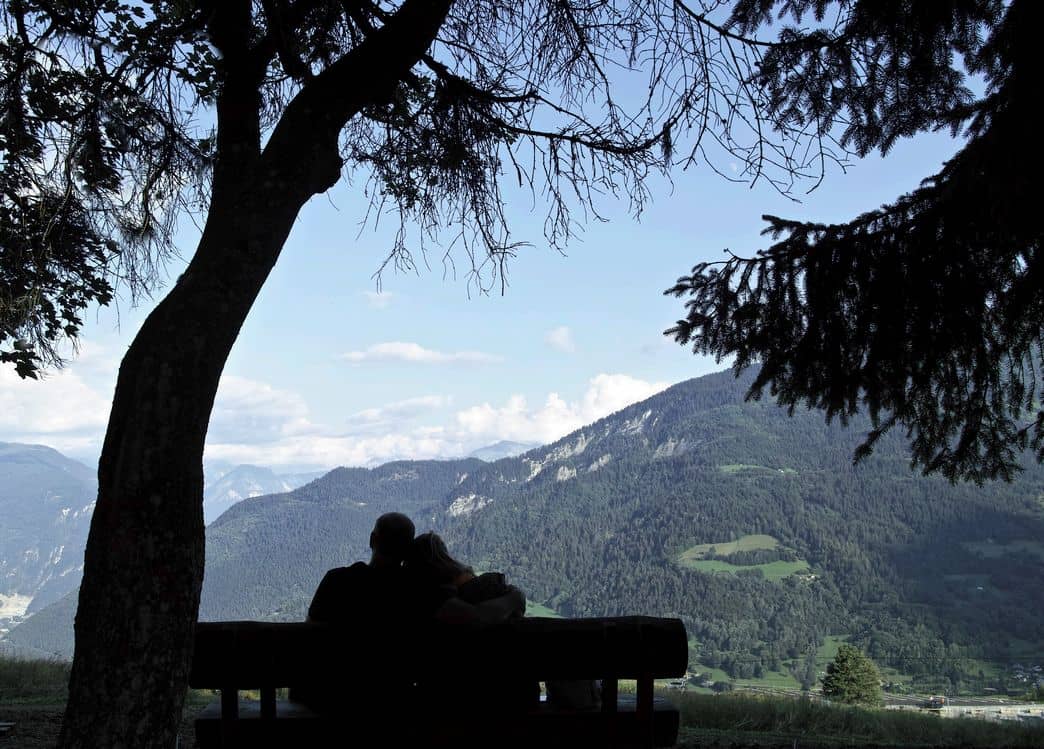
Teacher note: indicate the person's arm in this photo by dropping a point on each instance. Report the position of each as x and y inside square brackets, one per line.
[495, 610]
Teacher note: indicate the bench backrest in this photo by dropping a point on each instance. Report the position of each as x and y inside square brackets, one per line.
[256, 655]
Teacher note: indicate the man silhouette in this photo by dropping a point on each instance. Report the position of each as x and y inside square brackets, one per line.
[370, 600]
[373, 591]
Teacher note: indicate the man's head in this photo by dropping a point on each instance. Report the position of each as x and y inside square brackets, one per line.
[391, 538]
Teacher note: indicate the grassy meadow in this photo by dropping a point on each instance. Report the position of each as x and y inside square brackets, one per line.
[751, 542]
[749, 720]
[27, 682]
[694, 558]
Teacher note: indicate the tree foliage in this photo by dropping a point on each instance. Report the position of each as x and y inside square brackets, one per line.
[852, 678]
[927, 313]
[108, 126]
[94, 156]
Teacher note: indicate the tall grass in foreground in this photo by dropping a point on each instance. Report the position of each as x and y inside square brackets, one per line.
[33, 680]
[842, 724]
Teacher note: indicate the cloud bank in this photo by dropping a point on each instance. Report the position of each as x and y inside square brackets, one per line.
[254, 422]
[516, 420]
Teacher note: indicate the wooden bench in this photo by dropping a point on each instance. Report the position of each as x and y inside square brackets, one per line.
[473, 666]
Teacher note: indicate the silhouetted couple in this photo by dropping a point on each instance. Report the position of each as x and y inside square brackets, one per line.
[412, 580]
[413, 588]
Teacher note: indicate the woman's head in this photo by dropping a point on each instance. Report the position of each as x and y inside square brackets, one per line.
[430, 559]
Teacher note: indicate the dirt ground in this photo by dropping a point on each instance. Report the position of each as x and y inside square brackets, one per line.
[37, 726]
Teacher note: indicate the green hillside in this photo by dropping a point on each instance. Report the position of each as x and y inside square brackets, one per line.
[636, 514]
[880, 544]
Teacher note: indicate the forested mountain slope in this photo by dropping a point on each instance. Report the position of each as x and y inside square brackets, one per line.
[923, 573]
[638, 512]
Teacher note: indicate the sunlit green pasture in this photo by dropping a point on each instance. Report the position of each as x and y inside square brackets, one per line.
[694, 557]
[724, 548]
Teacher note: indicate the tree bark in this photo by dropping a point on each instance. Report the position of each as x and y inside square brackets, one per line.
[143, 565]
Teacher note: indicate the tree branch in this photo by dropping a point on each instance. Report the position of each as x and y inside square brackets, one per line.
[306, 137]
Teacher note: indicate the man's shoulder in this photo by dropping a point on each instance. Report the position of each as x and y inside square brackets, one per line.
[353, 575]
[336, 587]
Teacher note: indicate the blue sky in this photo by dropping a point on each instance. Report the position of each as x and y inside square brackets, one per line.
[328, 372]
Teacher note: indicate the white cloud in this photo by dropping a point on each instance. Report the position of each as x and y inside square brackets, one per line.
[60, 402]
[396, 413]
[282, 435]
[515, 420]
[561, 339]
[254, 422]
[330, 451]
[399, 351]
[378, 299]
[251, 412]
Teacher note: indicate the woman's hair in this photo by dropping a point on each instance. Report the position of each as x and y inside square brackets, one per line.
[429, 558]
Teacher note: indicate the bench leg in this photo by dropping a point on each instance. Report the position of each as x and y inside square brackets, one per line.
[645, 709]
[268, 703]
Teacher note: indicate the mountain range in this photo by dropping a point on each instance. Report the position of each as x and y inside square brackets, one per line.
[751, 525]
[46, 502]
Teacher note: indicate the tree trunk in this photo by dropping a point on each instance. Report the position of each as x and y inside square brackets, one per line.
[143, 565]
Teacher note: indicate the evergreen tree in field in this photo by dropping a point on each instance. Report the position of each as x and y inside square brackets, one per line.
[852, 678]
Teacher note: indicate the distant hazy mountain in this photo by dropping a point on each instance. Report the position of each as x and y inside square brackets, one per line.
[752, 526]
[246, 481]
[502, 449]
[46, 501]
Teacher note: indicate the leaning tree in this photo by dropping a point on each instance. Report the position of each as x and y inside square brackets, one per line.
[119, 116]
[927, 313]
